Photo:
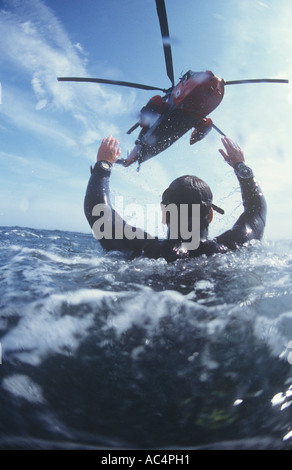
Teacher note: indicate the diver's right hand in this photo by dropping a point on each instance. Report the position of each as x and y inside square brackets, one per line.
[109, 150]
[234, 153]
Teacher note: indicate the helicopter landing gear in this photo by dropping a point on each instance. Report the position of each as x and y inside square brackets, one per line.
[202, 129]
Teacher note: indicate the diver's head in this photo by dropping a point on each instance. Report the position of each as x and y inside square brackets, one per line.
[190, 190]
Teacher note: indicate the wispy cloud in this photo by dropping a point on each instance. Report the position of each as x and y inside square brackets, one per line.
[37, 49]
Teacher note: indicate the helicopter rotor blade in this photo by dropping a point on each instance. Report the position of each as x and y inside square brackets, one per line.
[110, 82]
[161, 11]
[257, 80]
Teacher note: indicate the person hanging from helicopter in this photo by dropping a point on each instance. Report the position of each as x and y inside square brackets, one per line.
[182, 195]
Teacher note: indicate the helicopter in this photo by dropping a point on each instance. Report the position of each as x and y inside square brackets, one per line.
[184, 106]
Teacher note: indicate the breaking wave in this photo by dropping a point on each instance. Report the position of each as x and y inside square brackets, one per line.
[99, 351]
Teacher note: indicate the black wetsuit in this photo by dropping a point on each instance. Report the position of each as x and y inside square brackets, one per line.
[249, 226]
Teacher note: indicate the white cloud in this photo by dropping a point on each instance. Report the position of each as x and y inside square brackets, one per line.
[19, 110]
[36, 46]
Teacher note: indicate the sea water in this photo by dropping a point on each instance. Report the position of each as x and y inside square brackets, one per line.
[98, 351]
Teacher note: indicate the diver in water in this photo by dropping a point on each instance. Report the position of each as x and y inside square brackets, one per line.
[183, 194]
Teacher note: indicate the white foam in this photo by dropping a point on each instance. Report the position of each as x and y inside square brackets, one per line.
[21, 386]
[145, 308]
[43, 330]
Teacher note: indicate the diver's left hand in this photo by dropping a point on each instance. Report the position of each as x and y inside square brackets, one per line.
[109, 150]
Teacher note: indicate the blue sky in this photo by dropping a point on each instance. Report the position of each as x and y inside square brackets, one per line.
[50, 130]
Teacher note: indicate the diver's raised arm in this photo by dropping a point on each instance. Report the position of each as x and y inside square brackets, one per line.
[251, 223]
[113, 232]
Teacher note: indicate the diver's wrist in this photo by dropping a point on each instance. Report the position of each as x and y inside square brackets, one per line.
[243, 171]
[102, 168]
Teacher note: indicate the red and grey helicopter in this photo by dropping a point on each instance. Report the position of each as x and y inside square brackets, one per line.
[184, 106]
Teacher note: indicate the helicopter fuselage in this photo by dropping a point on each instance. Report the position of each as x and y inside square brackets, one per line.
[198, 94]
[165, 119]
